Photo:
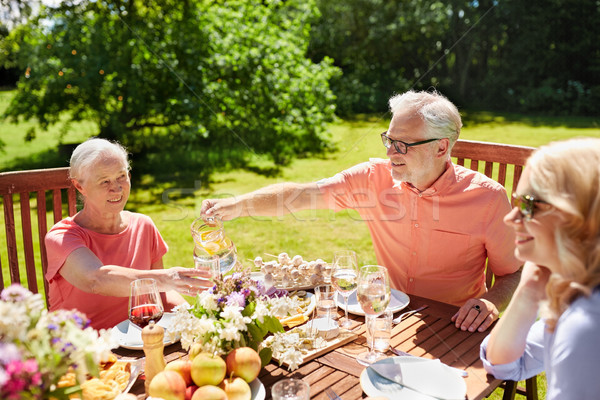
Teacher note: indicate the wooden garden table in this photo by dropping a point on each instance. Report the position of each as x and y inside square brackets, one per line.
[429, 334]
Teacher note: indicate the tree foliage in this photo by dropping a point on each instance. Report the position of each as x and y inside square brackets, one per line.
[508, 55]
[183, 75]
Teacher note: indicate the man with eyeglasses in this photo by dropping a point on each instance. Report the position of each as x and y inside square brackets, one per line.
[433, 224]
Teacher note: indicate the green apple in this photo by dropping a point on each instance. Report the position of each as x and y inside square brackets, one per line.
[195, 349]
[208, 369]
[236, 389]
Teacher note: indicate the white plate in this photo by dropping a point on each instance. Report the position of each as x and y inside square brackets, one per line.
[311, 305]
[443, 379]
[119, 333]
[309, 309]
[303, 285]
[398, 301]
[258, 390]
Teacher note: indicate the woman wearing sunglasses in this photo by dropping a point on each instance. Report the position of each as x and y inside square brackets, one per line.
[557, 226]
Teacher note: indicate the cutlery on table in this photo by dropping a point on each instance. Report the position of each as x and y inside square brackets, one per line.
[331, 394]
[404, 314]
[397, 352]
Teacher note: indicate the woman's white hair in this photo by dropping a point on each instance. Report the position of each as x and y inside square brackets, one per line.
[92, 150]
[440, 117]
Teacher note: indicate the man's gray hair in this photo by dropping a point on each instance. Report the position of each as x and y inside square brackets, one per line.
[440, 117]
[90, 151]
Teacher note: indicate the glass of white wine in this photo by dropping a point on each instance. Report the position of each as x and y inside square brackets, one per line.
[373, 294]
[344, 278]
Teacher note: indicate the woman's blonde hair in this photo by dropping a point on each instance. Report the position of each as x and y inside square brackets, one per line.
[566, 174]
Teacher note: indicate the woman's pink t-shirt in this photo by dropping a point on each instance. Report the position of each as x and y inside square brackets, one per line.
[138, 246]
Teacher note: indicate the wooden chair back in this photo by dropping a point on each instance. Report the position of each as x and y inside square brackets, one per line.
[509, 159]
[27, 184]
[504, 163]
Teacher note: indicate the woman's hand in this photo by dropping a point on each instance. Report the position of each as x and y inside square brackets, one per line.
[509, 337]
[188, 281]
[532, 286]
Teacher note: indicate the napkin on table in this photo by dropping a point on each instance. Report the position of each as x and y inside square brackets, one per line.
[133, 337]
[428, 377]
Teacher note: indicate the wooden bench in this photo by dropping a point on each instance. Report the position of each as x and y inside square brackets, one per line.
[32, 186]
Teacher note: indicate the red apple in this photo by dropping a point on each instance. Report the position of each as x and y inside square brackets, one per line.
[209, 392]
[168, 385]
[236, 389]
[244, 362]
[189, 392]
[208, 369]
[183, 368]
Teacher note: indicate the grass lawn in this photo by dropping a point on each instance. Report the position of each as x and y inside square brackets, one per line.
[312, 234]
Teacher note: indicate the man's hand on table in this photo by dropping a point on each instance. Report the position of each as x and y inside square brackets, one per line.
[476, 314]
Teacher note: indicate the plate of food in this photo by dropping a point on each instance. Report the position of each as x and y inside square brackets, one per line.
[129, 336]
[398, 301]
[296, 309]
[294, 273]
[116, 377]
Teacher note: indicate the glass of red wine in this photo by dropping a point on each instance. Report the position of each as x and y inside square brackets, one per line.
[145, 304]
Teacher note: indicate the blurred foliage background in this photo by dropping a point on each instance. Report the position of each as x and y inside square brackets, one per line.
[502, 55]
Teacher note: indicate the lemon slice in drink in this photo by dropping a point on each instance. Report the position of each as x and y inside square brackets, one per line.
[211, 248]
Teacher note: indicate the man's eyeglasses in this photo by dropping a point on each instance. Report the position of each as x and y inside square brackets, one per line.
[528, 204]
[400, 146]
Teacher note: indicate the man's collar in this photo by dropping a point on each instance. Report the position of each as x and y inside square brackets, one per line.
[445, 180]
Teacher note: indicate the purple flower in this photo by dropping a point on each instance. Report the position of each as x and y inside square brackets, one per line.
[15, 293]
[274, 292]
[236, 299]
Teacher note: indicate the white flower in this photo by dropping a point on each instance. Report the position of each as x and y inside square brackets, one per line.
[261, 311]
[216, 323]
[208, 301]
[230, 333]
[232, 313]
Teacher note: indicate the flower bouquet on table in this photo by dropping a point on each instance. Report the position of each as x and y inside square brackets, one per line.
[239, 312]
[38, 348]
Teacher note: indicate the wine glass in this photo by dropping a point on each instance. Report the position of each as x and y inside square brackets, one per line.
[373, 294]
[145, 304]
[344, 277]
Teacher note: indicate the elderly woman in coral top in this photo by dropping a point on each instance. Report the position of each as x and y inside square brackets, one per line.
[557, 225]
[95, 255]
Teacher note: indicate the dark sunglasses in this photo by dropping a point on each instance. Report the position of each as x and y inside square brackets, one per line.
[527, 205]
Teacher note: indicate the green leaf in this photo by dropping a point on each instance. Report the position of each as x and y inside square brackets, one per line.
[249, 309]
[64, 393]
[257, 332]
[265, 356]
[272, 324]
